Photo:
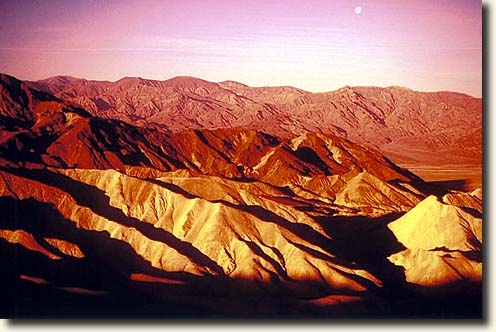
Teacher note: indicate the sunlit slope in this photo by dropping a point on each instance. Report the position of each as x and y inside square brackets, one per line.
[443, 239]
[179, 233]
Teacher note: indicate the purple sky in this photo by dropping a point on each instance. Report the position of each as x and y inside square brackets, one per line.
[316, 45]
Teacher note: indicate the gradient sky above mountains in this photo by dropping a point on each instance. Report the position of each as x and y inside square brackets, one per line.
[316, 45]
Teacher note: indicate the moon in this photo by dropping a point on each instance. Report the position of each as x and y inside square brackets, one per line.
[358, 10]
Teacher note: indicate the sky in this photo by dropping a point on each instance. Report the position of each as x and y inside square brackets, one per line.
[315, 45]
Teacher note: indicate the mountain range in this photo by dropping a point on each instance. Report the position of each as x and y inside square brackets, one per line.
[408, 126]
[198, 199]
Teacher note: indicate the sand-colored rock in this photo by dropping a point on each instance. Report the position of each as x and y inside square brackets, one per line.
[433, 224]
[204, 236]
[471, 200]
[436, 267]
[443, 242]
[373, 196]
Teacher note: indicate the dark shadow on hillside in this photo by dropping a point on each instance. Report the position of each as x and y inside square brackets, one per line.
[308, 155]
[205, 141]
[106, 267]
[108, 264]
[363, 240]
[473, 212]
[99, 203]
[368, 242]
[303, 231]
[440, 188]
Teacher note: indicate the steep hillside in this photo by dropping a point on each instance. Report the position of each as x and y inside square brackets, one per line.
[39, 129]
[443, 240]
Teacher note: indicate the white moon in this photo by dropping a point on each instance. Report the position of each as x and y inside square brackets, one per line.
[358, 10]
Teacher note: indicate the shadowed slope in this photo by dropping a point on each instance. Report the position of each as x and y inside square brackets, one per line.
[98, 202]
[54, 133]
[98, 284]
[216, 237]
[106, 283]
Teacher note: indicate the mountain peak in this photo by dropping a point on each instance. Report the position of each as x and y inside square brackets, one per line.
[61, 79]
[232, 85]
[133, 79]
[188, 82]
[7, 79]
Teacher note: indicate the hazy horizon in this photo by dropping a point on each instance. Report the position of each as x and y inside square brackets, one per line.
[316, 46]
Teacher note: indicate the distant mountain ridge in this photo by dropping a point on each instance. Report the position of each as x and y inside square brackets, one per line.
[407, 125]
